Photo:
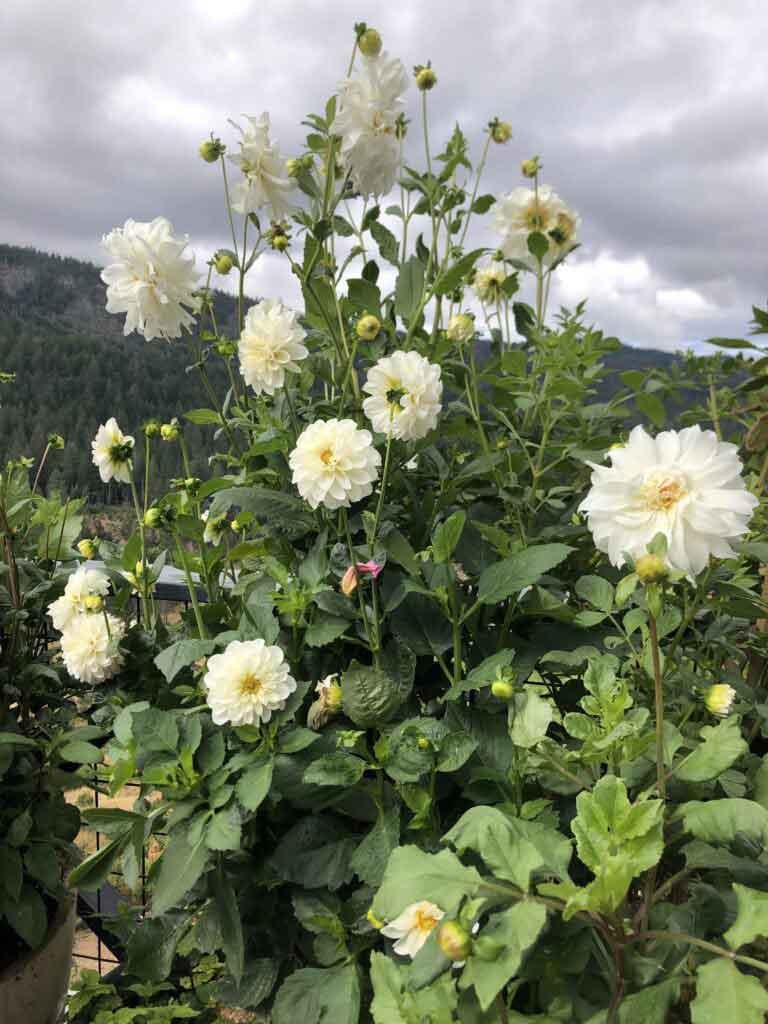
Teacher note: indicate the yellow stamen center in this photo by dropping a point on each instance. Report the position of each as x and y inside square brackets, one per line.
[327, 457]
[662, 491]
[250, 685]
[425, 922]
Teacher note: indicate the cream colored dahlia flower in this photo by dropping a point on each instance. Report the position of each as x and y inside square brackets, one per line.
[404, 395]
[90, 648]
[152, 281]
[488, 279]
[684, 484]
[265, 182]
[247, 683]
[526, 210]
[112, 452]
[413, 927]
[334, 463]
[270, 345]
[81, 585]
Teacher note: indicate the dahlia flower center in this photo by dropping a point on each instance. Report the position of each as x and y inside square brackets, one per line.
[394, 393]
[328, 458]
[662, 490]
[250, 685]
[425, 922]
[533, 216]
[563, 230]
[120, 451]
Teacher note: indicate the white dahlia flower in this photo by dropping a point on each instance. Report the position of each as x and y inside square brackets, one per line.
[90, 648]
[112, 452]
[270, 344]
[214, 528]
[413, 927]
[151, 280]
[370, 103]
[265, 181]
[334, 463]
[247, 682]
[83, 593]
[685, 484]
[523, 211]
[488, 279]
[404, 395]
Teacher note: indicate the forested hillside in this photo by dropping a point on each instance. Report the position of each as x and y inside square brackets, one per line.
[74, 369]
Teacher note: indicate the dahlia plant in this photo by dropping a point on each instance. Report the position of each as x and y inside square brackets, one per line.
[466, 719]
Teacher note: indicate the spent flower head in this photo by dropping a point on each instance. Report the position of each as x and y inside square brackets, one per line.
[719, 699]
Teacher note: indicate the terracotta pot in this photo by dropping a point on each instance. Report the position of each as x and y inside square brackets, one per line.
[33, 989]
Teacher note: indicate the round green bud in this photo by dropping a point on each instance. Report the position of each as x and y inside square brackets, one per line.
[424, 743]
[426, 78]
[292, 167]
[226, 347]
[530, 168]
[170, 431]
[502, 690]
[651, 569]
[454, 941]
[153, 518]
[501, 131]
[461, 328]
[280, 242]
[152, 428]
[486, 948]
[370, 43]
[88, 547]
[211, 150]
[719, 699]
[55, 441]
[368, 327]
[223, 262]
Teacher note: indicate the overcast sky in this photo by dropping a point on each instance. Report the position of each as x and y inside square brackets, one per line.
[650, 119]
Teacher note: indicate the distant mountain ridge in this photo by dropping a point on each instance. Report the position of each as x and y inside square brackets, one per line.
[75, 368]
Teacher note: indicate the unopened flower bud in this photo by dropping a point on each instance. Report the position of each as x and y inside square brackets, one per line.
[368, 327]
[280, 242]
[153, 518]
[486, 948]
[223, 261]
[226, 348]
[55, 441]
[151, 428]
[373, 921]
[292, 167]
[719, 699]
[501, 131]
[454, 941]
[502, 689]
[170, 431]
[349, 581]
[426, 78]
[530, 168]
[211, 150]
[461, 328]
[93, 603]
[370, 43]
[401, 126]
[651, 569]
[88, 547]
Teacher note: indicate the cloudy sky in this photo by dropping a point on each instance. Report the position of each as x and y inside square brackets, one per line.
[650, 118]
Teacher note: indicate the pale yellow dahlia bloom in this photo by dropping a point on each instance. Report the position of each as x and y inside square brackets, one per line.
[404, 395]
[270, 345]
[81, 586]
[247, 683]
[265, 182]
[90, 647]
[413, 927]
[334, 463]
[112, 452]
[525, 210]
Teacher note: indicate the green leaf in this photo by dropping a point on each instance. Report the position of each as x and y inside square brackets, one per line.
[203, 416]
[512, 848]
[223, 832]
[395, 1003]
[483, 203]
[337, 769]
[413, 875]
[370, 858]
[652, 407]
[152, 947]
[28, 917]
[386, 242]
[451, 278]
[597, 591]
[80, 752]
[180, 866]
[515, 930]
[752, 918]
[483, 674]
[184, 652]
[649, 1006]
[720, 821]
[156, 730]
[538, 246]
[91, 873]
[447, 536]
[43, 865]
[324, 629]
[409, 288]
[729, 342]
[228, 914]
[523, 569]
[11, 872]
[529, 718]
[723, 745]
[312, 996]
[254, 785]
[18, 740]
[257, 983]
[315, 853]
[284, 513]
[723, 993]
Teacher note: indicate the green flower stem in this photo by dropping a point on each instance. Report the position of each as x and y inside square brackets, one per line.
[241, 265]
[480, 169]
[144, 608]
[380, 503]
[692, 940]
[40, 468]
[202, 632]
[198, 511]
[659, 699]
[352, 561]
[229, 207]
[713, 410]
[147, 458]
[292, 412]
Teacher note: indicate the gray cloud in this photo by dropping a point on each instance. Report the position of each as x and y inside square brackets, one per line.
[649, 117]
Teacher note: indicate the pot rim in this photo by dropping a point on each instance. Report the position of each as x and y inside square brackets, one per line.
[60, 919]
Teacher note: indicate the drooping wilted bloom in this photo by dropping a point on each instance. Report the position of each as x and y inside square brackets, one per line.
[82, 584]
[112, 452]
[370, 103]
[334, 463]
[90, 647]
[326, 704]
[215, 527]
[684, 484]
[270, 345]
[719, 699]
[151, 280]
[413, 927]
[247, 683]
[488, 280]
[404, 395]
[525, 210]
[265, 183]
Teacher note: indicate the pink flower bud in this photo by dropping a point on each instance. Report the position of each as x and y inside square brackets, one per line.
[349, 581]
[372, 568]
